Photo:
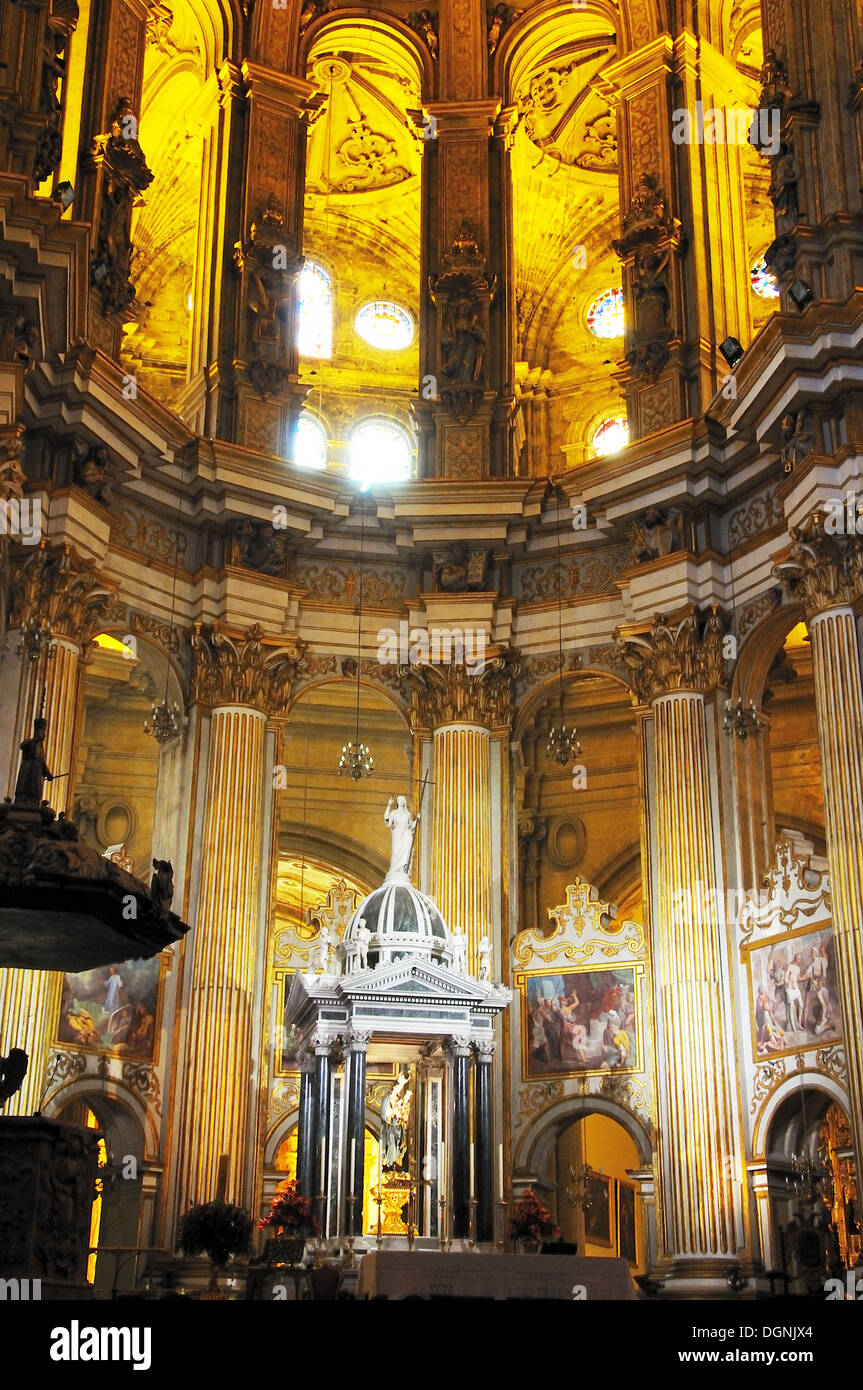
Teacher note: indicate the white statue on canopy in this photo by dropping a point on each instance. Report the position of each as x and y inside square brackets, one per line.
[402, 826]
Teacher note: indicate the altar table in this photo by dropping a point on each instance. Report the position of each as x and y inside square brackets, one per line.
[397, 1273]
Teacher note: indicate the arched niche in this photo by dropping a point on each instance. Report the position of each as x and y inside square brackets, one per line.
[583, 817]
[125, 777]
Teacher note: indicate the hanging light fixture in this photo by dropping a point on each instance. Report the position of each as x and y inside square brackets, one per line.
[166, 721]
[356, 761]
[563, 745]
[739, 720]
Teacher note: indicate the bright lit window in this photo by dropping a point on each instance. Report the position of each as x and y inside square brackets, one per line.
[763, 282]
[113, 644]
[385, 325]
[380, 452]
[605, 315]
[315, 337]
[310, 443]
[611, 437]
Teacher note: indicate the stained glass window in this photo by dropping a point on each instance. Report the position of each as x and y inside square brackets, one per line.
[315, 337]
[385, 325]
[763, 282]
[605, 315]
[381, 452]
[611, 437]
[310, 445]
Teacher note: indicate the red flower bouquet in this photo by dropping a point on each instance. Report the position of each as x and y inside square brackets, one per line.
[531, 1220]
[291, 1212]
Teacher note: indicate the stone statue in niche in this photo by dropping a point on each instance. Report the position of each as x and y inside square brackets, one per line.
[402, 827]
[649, 350]
[499, 20]
[124, 177]
[798, 439]
[783, 189]
[462, 340]
[269, 263]
[25, 337]
[658, 532]
[94, 472]
[424, 23]
[458, 951]
[459, 569]
[484, 953]
[311, 10]
[34, 769]
[256, 545]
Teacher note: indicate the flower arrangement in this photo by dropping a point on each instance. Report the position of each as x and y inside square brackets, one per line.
[291, 1212]
[217, 1229]
[531, 1220]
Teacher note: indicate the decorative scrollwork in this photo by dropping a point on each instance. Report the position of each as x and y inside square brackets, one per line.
[767, 1077]
[833, 1062]
[144, 1080]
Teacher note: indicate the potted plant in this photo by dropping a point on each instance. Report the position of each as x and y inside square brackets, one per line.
[216, 1229]
[531, 1222]
[291, 1221]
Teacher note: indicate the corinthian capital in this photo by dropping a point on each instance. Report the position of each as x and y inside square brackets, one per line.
[241, 670]
[819, 569]
[683, 652]
[452, 693]
[55, 591]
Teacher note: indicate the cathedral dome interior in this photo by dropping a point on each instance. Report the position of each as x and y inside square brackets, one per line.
[431, 584]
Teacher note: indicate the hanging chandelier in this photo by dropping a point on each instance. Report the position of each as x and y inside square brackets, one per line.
[740, 720]
[35, 639]
[563, 745]
[356, 761]
[166, 721]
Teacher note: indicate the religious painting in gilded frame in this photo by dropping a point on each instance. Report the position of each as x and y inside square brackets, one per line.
[113, 1008]
[627, 1238]
[580, 1022]
[794, 999]
[597, 1216]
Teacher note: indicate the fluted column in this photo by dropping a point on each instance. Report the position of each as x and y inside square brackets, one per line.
[243, 681]
[825, 573]
[483, 1140]
[57, 602]
[463, 711]
[674, 664]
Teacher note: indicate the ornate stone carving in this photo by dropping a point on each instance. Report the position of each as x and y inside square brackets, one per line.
[833, 1062]
[798, 439]
[583, 927]
[425, 23]
[794, 894]
[459, 1044]
[460, 568]
[821, 570]
[146, 535]
[761, 513]
[451, 694]
[600, 144]
[786, 174]
[768, 1075]
[462, 296]
[683, 652]
[538, 1097]
[498, 21]
[241, 670]
[257, 545]
[144, 1080]
[648, 352]
[657, 532]
[647, 221]
[94, 472]
[593, 572]
[61, 592]
[124, 178]
[49, 145]
[269, 263]
[336, 582]
[759, 608]
[358, 1039]
[484, 1048]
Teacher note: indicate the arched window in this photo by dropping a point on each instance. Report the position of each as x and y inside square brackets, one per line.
[762, 280]
[381, 452]
[605, 315]
[310, 442]
[315, 338]
[611, 436]
[385, 325]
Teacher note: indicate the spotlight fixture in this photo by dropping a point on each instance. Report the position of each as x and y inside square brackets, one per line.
[63, 194]
[801, 293]
[165, 722]
[356, 761]
[741, 720]
[732, 351]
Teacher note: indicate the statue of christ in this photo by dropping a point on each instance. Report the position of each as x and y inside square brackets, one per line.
[402, 827]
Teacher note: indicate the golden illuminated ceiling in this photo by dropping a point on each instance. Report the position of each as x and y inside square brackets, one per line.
[301, 886]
